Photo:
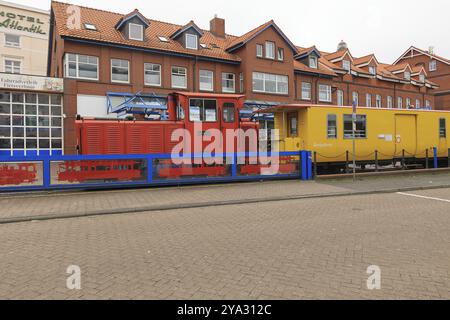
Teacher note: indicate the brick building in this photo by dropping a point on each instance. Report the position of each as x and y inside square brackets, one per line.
[437, 70]
[110, 52]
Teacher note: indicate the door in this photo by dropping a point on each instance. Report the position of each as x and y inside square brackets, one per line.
[406, 134]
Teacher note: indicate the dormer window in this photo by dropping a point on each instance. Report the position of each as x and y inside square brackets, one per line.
[136, 32]
[432, 66]
[422, 78]
[372, 70]
[313, 62]
[346, 65]
[407, 75]
[191, 41]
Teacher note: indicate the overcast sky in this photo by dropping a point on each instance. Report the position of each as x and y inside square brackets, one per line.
[384, 27]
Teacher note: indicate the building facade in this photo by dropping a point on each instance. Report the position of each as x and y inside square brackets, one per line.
[437, 70]
[24, 33]
[97, 52]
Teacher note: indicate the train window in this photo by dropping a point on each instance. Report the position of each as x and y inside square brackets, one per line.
[228, 112]
[202, 110]
[293, 124]
[361, 126]
[442, 128]
[331, 126]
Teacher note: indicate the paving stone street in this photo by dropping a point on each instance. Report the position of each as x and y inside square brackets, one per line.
[312, 248]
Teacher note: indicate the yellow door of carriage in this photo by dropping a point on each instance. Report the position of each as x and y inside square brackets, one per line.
[405, 134]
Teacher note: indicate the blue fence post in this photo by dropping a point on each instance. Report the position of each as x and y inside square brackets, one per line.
[46, 172]
[300, 164]
[435, 157]
[309, 165]
[305, 170]
[149, 168]
[234, 165]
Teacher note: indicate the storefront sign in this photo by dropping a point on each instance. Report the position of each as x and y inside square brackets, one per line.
[23, 23]
[30, 83]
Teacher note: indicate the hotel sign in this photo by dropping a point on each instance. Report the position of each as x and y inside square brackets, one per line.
[21, 22]
[30, 83]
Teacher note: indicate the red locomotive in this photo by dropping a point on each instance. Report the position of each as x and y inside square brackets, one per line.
[151, 131]
[17, 173]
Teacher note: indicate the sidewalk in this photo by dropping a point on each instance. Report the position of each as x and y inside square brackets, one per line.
[27, 207]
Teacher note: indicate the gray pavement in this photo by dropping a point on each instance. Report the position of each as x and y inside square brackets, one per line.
[26, 207]
[318, 248]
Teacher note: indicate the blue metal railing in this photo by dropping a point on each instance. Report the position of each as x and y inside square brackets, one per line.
[24, 173]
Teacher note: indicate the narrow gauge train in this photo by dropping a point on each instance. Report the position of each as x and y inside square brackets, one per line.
[385, 136]
[184, 111]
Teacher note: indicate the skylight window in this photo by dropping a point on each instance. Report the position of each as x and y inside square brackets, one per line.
[163, 39]
[90, 26]
[204, 45]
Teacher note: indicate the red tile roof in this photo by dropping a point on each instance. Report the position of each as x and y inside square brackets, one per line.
[105, 22]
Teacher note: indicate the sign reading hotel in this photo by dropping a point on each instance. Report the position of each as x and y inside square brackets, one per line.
[30, 83]
[15, 21]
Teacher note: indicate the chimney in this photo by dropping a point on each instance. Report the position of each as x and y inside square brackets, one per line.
[217, 27]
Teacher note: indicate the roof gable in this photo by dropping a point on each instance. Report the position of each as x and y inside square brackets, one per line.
[243, 40]
[130, 16]
[411, 50]
[190, 26]
[302, 53]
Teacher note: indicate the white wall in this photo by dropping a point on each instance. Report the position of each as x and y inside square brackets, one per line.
[93, 106]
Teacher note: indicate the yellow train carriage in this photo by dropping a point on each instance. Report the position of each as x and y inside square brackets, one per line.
[327, 130]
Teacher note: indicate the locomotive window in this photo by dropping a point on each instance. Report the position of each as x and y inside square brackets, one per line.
[442, 128]
[202, 110]
[361, 126]
[228, 112]
[331, 126]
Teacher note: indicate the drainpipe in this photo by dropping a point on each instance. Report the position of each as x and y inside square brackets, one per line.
[194, 87]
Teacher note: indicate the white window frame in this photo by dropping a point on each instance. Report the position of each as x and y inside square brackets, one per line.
[225, 80]
[378, 101]
[346, 65]
[373, 70]
[270, 50]
[280, 54]
[399, 103]
[259, 51]
[390, 104]
[417, 103]
[368, 100]
[422, 78]
[432, 66]
[14, 61]
[151, 65]
[241, 82]
[340, 97]
[192, 37]
[355, 98]
[427, 103]
[77, 68]
[210, 76]
[407, 75]
[408, 103]
[11, 44]
[325, 89]
[141, 27]
[313, 62]
[277, 78]
[306, 90]
[177, 74]
[127, 68]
